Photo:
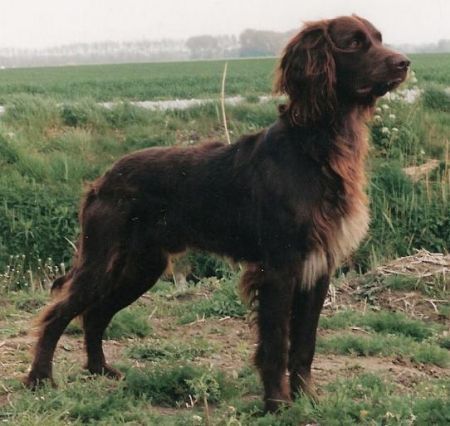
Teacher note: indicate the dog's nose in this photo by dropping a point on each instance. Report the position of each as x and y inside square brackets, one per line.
[401, 62]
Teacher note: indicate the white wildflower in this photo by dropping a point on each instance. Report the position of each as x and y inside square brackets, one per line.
[385, 131]
[385, 106]
[395, 130]
[378, 110]
[197, 420]
[377, 119]
[392, 117]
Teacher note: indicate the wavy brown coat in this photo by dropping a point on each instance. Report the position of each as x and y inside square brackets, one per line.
[288, 202]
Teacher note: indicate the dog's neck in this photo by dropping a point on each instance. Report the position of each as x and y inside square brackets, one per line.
[345, 133]
[348, 150]
[340, 147]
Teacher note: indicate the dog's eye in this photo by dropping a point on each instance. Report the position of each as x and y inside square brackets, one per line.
[355, 44]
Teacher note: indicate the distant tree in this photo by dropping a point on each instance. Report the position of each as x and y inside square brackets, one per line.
[261, 43]
[203, 46]
[228, 46]
[443, 45]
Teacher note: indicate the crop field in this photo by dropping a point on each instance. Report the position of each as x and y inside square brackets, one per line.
[246, 77]
[185, 347]
[140, 81]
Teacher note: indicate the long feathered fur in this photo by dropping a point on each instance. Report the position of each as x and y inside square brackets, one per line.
[287, 202]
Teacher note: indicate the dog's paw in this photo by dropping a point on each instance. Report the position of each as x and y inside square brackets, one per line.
[272, 405]
[105, 370]
[36, 380]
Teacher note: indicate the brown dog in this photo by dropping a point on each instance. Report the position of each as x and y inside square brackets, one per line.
[288, 201]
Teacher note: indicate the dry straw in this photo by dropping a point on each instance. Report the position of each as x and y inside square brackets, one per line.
[222, 103]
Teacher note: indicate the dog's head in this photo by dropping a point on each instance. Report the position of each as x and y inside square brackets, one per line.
[334, 62]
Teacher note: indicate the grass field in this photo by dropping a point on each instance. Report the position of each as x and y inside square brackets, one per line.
[140, 81]
[184, 80]
[186, 350]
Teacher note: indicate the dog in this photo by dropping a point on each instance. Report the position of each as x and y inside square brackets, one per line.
[287, 202]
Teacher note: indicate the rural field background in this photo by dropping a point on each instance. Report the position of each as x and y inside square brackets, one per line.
[185, 348]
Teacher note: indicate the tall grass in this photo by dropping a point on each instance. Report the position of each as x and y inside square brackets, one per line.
[405, 216]
[49, 148]
[47, 152]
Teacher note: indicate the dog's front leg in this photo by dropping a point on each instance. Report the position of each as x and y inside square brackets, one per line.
[274, 297]
[306, 307]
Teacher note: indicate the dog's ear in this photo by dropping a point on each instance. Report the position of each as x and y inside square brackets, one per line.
[307, 74]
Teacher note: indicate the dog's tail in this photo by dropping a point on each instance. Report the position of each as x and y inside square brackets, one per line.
[248, 288]
[90, 196]
[59, 283]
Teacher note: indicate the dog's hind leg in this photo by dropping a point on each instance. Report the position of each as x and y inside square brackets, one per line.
[69, 303]
[274, 299]
[306, 307]
[139, 274]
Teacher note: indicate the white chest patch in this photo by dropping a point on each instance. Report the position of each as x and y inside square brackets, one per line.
[351, 230]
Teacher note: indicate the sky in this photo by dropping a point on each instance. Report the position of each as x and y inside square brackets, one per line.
[45, 23]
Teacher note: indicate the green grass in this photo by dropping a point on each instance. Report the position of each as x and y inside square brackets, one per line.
[247, 78]
[47, 156]
[49, 149]
[405, 216]
[165, 374]
[140, 81]
[430, 286]
[432, 67]
[25, 301]
[366, 399]
[173, 386]
[376, 345]
[437, 99]
[362, 398]
[224, 301]
[75, 404]
[156, 350]
[380, 322]
[130, 322]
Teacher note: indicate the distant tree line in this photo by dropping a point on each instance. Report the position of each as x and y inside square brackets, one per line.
[442, 46]
[96, 53]
[250, 43]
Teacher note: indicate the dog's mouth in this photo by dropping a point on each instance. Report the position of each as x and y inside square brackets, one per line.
[379, 88]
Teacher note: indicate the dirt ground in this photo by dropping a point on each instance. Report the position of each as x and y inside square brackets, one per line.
[233, 340]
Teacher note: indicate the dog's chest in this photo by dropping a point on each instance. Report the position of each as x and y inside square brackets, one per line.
[342, 239]
[350, 231]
